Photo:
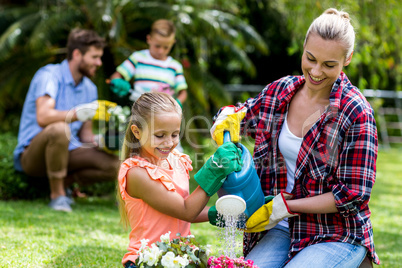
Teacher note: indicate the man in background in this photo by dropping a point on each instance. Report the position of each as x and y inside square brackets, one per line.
[55, 136]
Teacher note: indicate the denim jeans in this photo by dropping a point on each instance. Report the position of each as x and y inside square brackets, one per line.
[272, 251]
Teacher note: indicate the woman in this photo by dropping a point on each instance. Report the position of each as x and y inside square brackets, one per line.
[316, 138]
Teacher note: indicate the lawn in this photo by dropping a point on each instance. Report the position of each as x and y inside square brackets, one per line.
[31, 235]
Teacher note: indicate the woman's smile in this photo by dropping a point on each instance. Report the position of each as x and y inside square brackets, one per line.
[315, 80]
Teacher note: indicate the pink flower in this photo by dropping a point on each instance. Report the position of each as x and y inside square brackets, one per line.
[226, 262]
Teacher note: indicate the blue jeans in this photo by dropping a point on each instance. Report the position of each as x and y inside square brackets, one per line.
[272, 251]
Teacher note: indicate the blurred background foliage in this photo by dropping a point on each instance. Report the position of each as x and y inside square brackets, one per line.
[219, 42]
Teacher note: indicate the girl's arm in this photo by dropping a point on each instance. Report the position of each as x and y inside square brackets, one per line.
[154, 193]
[203, 216]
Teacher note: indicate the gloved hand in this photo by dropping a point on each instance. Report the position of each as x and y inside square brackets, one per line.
[270, 214]
[102, 113]
[229, 119]
[215, 220]
[224, 161]
[213, 216]
[268, 198]
[86, 111]
[120, 87]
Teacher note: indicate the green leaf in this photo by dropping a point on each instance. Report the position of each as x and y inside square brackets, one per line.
[193, 257]
[163, 246]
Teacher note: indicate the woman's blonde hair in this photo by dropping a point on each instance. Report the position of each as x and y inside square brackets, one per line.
[334, 25]
[142, 112]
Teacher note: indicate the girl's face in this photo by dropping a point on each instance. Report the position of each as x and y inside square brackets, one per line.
[159, 137]
[160, 46]
[322, 62]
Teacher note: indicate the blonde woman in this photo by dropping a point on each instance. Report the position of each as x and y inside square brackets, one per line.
[315, 152]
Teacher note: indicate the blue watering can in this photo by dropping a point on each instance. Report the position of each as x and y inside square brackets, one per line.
[244, 183]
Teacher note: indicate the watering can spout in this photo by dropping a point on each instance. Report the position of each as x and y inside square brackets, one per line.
[244, 183]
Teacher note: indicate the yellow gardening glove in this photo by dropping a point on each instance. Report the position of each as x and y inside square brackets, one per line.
[229, 119]
[102, 113]
[270, 214]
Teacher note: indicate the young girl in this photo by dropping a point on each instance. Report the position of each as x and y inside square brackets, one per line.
[153, 181]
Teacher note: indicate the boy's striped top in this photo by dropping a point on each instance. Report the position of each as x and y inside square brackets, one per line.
[153, 75]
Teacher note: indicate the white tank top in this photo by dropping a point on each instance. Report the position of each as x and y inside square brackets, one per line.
[289, 145]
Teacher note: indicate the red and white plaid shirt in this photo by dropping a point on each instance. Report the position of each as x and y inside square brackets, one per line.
[338, 155]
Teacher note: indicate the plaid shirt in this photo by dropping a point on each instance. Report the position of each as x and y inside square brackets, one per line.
[338, 155]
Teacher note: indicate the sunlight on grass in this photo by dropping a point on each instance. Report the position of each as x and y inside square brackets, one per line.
[88, 237]
[386, 208]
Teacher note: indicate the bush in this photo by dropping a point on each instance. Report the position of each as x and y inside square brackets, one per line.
[13, 184]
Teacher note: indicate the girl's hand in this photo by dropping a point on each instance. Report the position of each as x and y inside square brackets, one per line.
[224, 161]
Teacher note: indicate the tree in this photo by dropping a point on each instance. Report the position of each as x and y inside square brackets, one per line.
[376, 62]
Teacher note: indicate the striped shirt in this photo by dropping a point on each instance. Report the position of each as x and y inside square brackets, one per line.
[153, 75]
[338, 154]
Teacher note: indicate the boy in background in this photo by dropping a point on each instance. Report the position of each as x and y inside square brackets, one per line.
[152, 69]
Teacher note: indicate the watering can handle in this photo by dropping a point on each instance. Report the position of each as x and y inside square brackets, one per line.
[226, 136]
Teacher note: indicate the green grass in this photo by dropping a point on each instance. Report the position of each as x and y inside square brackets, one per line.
[34, 236]
[386, 208]
[31, 235]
